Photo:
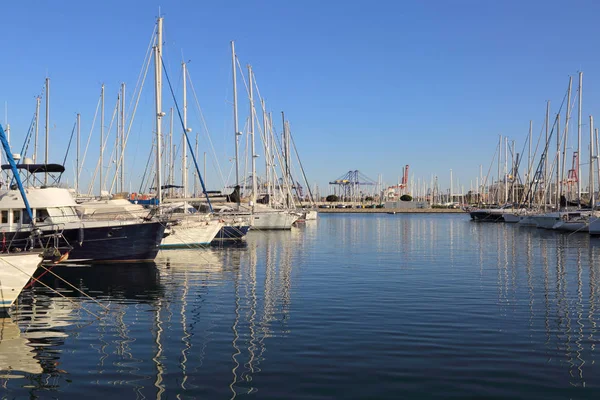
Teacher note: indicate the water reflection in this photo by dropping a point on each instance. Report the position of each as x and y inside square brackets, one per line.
[440, 302]
[16, 355]
[530, 262]
[257, 305]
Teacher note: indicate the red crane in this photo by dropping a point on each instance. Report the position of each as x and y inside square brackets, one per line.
[404, 183]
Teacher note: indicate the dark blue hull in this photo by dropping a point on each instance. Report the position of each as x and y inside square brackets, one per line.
[119, 243]
[231, 233]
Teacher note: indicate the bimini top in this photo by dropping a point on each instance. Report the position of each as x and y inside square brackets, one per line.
[38, 168]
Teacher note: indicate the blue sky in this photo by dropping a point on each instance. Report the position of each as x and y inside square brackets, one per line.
[366, 85]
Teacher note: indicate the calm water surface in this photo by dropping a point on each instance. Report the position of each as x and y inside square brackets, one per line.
[350, 306]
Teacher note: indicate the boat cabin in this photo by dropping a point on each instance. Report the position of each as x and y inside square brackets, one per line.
[48, 206]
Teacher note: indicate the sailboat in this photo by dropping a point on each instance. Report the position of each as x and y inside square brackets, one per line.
[16, 269]
[185, 229]
[262, 217]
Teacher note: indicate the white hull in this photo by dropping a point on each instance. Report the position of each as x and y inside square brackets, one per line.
[528, 220]
[15, 272]
[191, 232]
[273, 220]
[572, 226]
[310, 215]
[511, 218]
[594, 227]
[547, 221]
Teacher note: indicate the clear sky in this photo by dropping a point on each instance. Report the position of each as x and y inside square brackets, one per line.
[366, 85]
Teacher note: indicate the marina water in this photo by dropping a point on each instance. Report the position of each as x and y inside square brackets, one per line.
[349, 306]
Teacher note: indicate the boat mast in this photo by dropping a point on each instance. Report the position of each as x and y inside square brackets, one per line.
[196, 173]
[564, 154]
[514, 174]
[47, 128]
[158, 104]
[272, 185]
[451, 187]
[529, 166]
[499, 162]
[101, 134]
[250, 84]
[122, 161]
[235, 120]
[171, 179]
[597, 154]
[38, 100]
[557, 191]
[505, 169]
[546, 177]
[579, 140]
[592, 200]
[77, 161]
[186, 130]
[267, 151]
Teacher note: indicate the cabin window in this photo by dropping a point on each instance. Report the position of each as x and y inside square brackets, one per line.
[5, 216]
[16, 216]
[26, 219]
[41, 214]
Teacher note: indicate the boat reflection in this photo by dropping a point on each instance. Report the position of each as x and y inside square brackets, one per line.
[158, 329]
[16, 353]
[262, 297]
[557, 275]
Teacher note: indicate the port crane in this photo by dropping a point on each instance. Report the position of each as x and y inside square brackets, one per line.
[350, 185]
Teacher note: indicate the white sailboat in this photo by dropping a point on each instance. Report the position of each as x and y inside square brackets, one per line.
[15, 271]
[185, 229]
[261, 217]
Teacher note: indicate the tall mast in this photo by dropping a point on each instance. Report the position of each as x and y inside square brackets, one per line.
[77, 161]
[101, 134]
[117, 144]
[451, 187]
[529, 166]
[186, 130]
[267, 151]
[195, 172]
[38, 100]
[547, 147]
[592, 199]
[514, 162]
[597, 154]
[158, 103]
[506, 169]
[250, 84]
[499, 162]
[564, 154]
[47, 127]
[579, 140]
[122, 161]
[171, 154]
[557, 191]
[272, 185]
[286, 147]
[235, 118]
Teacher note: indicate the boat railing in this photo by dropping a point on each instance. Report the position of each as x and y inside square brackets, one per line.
[43, 238]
